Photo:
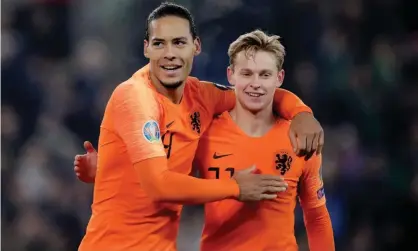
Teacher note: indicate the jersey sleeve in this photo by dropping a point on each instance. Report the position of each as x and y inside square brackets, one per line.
[135, 115]
[319, 229]
[311, 193]
[288, 105]
[163, 185]
[220, 98]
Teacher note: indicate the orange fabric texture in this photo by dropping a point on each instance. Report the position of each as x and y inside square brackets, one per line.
[146, 148]
[267, 225]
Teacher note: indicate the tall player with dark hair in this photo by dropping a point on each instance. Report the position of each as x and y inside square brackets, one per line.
[148, 138]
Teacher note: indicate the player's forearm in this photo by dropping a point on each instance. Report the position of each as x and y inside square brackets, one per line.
[287, 104]
[319, 229]
[226, 102]
[166, 186]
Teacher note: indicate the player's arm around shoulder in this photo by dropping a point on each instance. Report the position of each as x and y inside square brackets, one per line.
[288, 104]
[306, 133]
[218, 98]
[312, 198]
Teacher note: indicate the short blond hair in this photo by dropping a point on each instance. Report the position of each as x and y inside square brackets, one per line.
[255, 41]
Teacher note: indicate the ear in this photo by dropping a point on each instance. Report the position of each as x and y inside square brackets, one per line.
[229, 74]
[197, 46]
[146, 44]
[280, 78]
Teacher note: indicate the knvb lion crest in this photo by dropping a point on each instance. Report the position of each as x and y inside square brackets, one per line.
[195, 121]
[283, 162]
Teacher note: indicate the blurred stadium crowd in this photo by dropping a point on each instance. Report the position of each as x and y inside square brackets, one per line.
[355, 62]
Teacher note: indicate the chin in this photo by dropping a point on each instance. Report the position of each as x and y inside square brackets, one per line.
[172, 84]
[254, 109]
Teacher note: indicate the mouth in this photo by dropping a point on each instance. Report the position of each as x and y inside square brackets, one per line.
[170, 68]
[254, 94]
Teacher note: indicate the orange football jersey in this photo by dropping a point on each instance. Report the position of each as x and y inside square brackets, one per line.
[140, 124]
[231, 225]
[123, 216]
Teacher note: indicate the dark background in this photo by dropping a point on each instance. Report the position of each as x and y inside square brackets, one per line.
[355, 62]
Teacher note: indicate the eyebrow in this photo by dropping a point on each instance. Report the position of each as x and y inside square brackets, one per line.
[180, 38]
[266, 71]
[161, 39]
[262, 71]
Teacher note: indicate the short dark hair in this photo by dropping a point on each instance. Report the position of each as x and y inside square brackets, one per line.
[171, 9]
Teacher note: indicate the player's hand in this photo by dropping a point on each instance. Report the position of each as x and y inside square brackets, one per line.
[306, 135]
[85, 165]
[255, 187]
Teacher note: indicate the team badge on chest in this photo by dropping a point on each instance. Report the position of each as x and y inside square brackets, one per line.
[283, 162]
[195, 122]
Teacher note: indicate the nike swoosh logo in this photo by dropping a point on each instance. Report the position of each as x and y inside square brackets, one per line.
[169, 124]
[216, 156]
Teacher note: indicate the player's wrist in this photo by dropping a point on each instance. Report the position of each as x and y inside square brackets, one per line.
[302, 111]
[233, 188]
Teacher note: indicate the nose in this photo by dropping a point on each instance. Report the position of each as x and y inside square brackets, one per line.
[169, 54]
[255, 83]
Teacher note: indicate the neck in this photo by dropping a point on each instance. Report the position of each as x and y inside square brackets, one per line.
[173, 94]
[253, 124]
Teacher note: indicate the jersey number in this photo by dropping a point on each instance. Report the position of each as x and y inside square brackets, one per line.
[217, 171]
[167, 140]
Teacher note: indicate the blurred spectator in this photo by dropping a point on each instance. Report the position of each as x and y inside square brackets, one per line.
[354, 62]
